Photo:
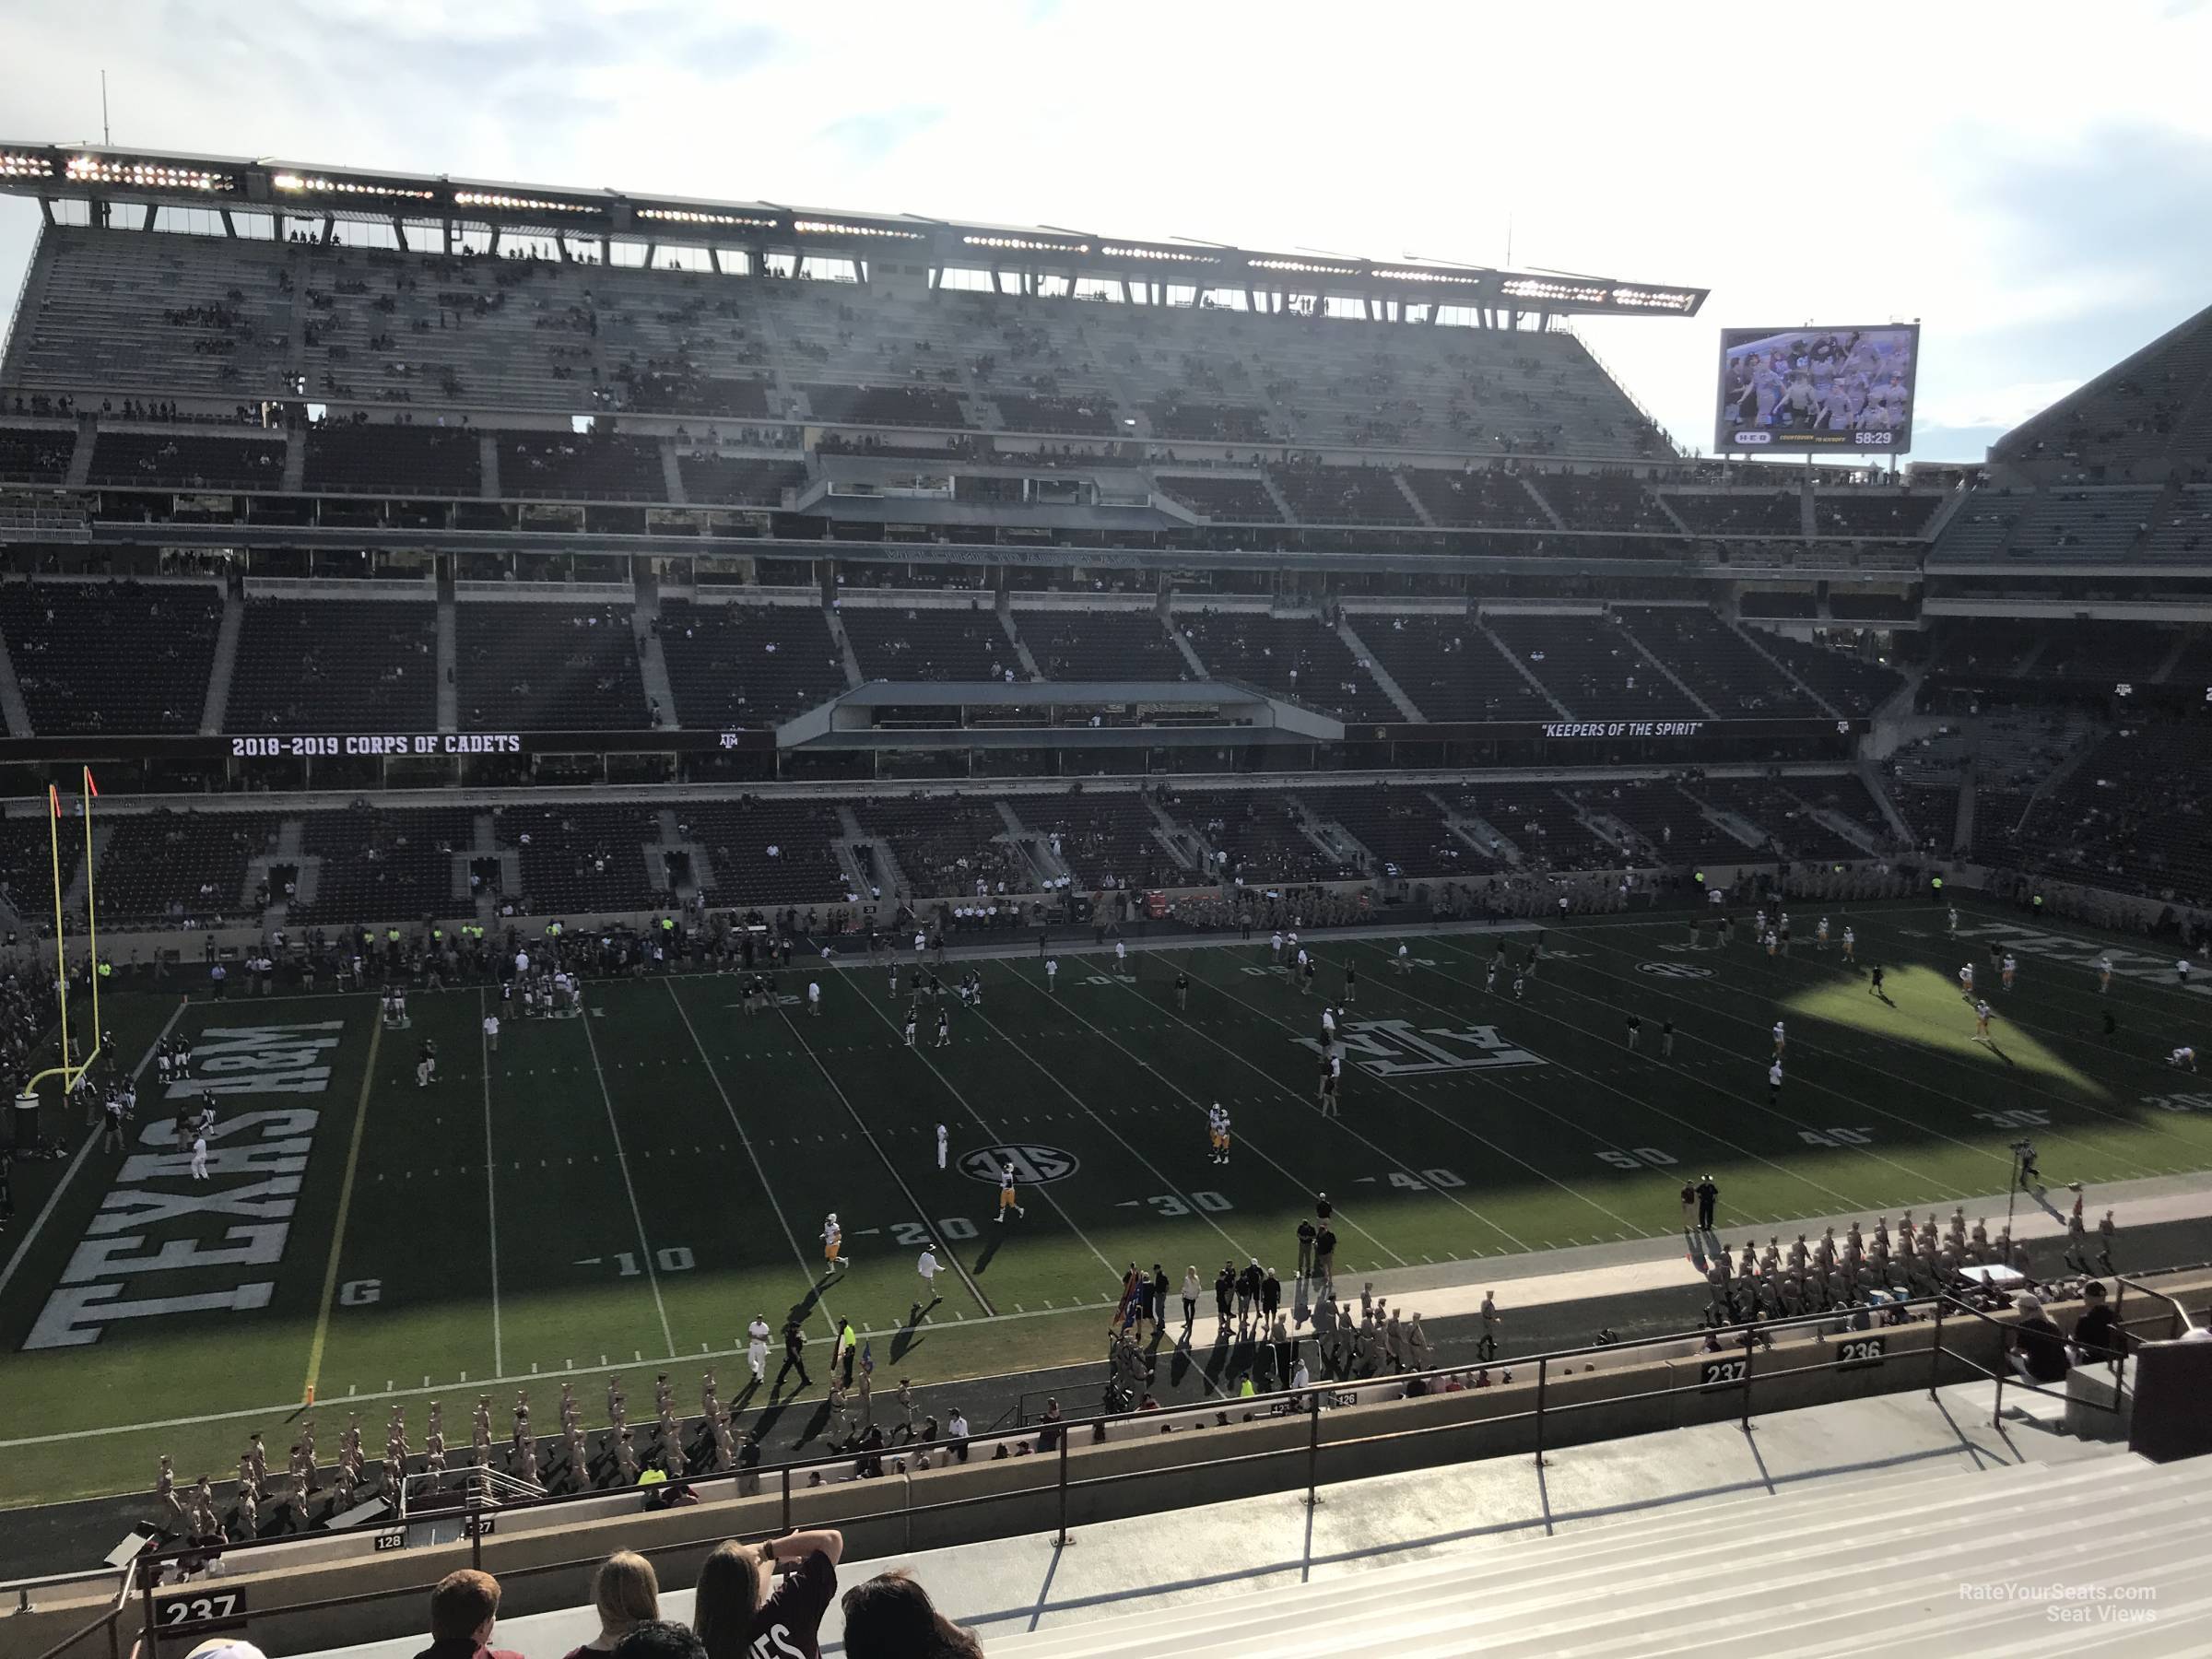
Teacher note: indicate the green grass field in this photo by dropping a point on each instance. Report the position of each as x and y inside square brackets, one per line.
[632, 1187]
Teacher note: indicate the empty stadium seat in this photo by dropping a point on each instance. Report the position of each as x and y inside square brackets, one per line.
[580, 466]
[1099, 644]
[947, 845]
[1592, 666]
[548, 667]
[1259, 836]
[335, 666]
[1299, 659]
[383, 863]
[69, 639]
[359, 457]
[929, 642]
[36, 455]
[1720, 666]
[1403, 827]
[1484, 496]
[765, 854]
[187, 460]
[168, 868]
[748, 665]
[1344, 495]
[1602, 501]
[1451, 668]
[738, 481]
[582, 859]
[1106, 841]
[1230, 498]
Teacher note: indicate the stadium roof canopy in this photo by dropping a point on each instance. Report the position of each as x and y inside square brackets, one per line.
[110, 178]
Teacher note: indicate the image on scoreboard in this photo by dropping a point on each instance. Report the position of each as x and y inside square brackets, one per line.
[1818, 388]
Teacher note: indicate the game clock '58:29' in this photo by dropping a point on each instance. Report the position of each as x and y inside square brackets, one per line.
[304, 747]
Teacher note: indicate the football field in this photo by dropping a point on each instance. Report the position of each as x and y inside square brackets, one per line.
[626, 1190]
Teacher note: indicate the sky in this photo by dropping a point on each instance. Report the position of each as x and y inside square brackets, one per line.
[2028, 180]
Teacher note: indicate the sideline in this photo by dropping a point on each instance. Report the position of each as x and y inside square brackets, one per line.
[338, 1231]
[23, 1249]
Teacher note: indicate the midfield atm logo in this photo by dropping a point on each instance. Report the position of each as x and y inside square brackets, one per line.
[1398, 1048]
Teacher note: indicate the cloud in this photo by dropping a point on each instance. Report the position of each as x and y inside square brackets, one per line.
[874, 137]
[2035, 208]
[2002, 406]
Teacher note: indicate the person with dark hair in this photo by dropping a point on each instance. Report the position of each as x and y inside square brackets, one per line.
[2097, 1333]
[739, 1603]
[660, 1639]
[463, 1608]
[891, 1616]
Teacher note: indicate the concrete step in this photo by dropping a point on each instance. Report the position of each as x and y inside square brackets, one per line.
[1816, 1554]
[218, 701]
[12, 705]
[1391, 688]
[449, 661]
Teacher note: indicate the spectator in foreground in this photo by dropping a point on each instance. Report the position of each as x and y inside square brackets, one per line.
[627, 1595]
[2097, 1333]
[891, 1616]
[463, 1608]
[741, 1605]
[658, 1639]
[2038, 1349]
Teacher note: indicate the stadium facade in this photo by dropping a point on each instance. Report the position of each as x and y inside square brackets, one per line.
[421, 483]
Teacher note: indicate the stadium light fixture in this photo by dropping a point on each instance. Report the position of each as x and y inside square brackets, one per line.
[686, 216]
[1129, 251]
[1398, 275]
[1303, 266]
[14, 165]
[1653, 298]
[833, 228]
[298, 185]
[152, 175]
[477, 198]
[1023, 244]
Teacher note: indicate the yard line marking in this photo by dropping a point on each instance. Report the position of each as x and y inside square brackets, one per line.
[338, 1231]
[1920, 1051]
[1814, 1085]
[491, 1199]
[1651, 1106]
[1396, 1163]
[1251, 1145]
[622, 1158]
[54, 1197]
[1055, 1080]
[987, 1129]
[745, 1142]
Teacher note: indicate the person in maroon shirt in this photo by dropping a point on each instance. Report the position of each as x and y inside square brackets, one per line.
[463, 1608]
[766, 1601]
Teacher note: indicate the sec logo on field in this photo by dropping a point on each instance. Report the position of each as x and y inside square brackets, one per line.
[1033, 1165]
[1673, 971]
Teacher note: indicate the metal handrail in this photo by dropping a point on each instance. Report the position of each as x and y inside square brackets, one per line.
[2181, 1313]
[1276, 1403]
[1746, 1342]
[2000, 1379]
[111, 1618]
